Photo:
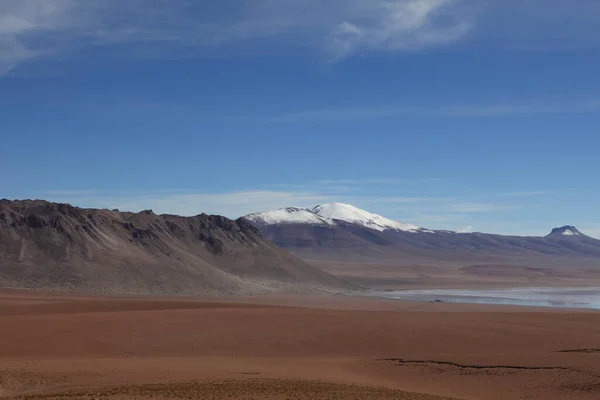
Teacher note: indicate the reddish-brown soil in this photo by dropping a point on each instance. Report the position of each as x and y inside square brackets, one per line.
[56, 346]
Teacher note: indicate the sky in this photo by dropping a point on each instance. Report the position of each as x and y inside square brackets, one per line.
[469, 115]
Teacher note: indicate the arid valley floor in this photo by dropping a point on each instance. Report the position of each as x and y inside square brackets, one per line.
[65, 346]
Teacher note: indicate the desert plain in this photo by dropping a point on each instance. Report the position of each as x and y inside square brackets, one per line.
[72, 346]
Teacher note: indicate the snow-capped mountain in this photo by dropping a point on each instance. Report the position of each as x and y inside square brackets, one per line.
[344, 232]
[329, 214]
[350, 214]
[289, 215]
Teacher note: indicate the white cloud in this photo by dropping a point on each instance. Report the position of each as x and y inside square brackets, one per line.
[399, 25]
[31, 29]
[467, 229]
[21, 18]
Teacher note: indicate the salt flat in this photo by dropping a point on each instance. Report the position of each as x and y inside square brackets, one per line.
[562, 297]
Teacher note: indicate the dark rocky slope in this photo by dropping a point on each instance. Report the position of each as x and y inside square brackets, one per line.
[60, 247]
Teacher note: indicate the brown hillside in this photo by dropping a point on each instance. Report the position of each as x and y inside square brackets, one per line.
[60, 247]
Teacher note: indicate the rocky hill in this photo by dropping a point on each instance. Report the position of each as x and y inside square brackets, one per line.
[60, 247]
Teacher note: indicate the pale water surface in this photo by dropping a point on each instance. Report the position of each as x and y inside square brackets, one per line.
[588, 297]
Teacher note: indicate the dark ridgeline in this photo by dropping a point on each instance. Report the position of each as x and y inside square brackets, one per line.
[53, 246]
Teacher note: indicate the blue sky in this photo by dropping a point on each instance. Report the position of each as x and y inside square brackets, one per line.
[450, 114]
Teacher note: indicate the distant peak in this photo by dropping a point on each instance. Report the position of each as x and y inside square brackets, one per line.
[288, 215]
[567, 230]
[354, 215]
[330, 214]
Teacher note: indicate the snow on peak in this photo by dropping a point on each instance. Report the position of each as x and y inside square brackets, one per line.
[329, 214]
[289, 215]
[566, 231]
[349, 213]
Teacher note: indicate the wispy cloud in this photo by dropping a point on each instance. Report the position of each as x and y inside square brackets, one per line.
[231, 204]
[30, 29]
[399, 25]
[458, 212]
[348, 186]
[478, 207]
[237, 203]
[21, 18]
[473, 111]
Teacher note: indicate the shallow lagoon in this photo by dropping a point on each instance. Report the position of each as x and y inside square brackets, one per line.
[588, 297]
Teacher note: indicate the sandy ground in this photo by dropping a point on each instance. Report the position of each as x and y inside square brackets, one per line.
[58, 346]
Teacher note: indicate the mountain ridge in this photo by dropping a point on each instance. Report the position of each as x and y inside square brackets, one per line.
[345, 239]
[270, 217]
[57, 246]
